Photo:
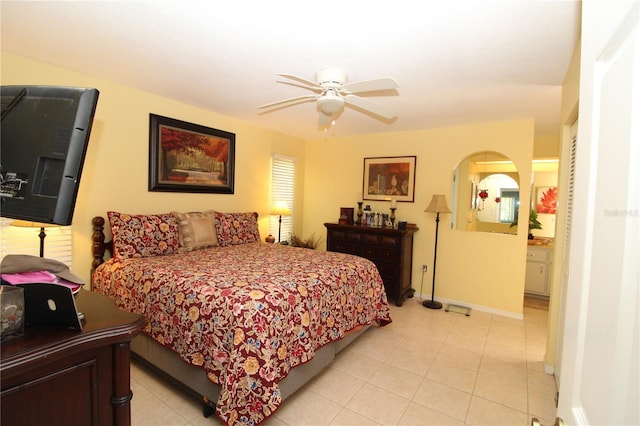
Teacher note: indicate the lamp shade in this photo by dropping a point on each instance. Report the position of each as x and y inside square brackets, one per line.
[280, 208]
[28, 224]
[438, 204]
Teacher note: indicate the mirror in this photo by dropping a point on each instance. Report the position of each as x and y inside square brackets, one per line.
[485, 194]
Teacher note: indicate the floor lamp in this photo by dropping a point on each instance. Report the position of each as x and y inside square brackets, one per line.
[438, 205]
[280, 209]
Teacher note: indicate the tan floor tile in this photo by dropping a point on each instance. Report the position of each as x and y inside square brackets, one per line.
[444, 399]
[360, 366]
[483, 412]
[307, 408]
[512, 372]
[412, 359]
[502, 389]
[396, 380]
[378, 404]
[147, 409]
[451, 375]
[469, 340]
[348, 417]
[537, 379]
[335, 385]
[458, 357]
[419, 415]
[505, 353]
[542, 403]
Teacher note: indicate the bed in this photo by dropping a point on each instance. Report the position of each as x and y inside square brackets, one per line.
[238, 322]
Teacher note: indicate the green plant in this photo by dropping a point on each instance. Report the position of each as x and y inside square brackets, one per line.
[310, 243]
[534, 223]
[533, 220]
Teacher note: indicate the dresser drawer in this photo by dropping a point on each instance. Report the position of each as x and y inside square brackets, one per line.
[380, 240]
[389, 241]
[345, 247]
[387, 269]
[370, 239]
[388, 254]
[371, 252]
[538, 255]
[345, 236]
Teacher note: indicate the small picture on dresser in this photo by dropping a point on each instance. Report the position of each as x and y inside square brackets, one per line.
[346, 215]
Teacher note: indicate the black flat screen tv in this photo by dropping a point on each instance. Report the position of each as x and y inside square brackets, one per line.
[43, 141]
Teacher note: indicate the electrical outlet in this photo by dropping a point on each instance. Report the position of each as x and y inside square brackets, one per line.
[424, 268]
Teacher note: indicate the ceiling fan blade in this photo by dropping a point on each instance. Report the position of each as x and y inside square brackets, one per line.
[370, 106]
[284, 101]
[318, 89]
[385, 83]
[301, 80]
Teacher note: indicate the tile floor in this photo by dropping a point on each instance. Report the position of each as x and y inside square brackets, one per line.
[429, 367]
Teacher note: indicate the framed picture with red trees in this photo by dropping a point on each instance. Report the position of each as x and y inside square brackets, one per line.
[187, 157]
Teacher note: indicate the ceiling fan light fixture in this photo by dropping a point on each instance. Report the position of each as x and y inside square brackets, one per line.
[330, 102]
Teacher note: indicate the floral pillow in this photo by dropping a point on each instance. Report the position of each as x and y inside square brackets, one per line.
[237, 228]
[197, 230]
[143, 235]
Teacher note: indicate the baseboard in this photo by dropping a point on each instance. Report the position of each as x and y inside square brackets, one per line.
[549, 369]
[474, 307]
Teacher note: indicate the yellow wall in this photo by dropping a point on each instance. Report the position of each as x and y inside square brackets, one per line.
[546, 146]
[477, 269]
[115, 174]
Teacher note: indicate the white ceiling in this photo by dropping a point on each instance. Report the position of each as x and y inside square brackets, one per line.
[456, 62]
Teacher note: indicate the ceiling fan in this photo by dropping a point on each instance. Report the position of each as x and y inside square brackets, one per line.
[332, 92]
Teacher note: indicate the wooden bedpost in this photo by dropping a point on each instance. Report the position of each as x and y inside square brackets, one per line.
[98, 247]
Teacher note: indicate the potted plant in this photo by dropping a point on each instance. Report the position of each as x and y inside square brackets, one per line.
[534, 223]
[310, 243]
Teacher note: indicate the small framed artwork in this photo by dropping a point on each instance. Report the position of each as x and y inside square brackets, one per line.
[389, 178]
[346, 215]
[546, 199]
[187, 157]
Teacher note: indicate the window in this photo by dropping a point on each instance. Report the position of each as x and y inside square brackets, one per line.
[509, 205]
[26, 240]
[283, 173]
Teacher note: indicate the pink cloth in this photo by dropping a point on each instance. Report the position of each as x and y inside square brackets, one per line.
[38, 277]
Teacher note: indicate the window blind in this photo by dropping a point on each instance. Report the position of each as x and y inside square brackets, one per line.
[283, 174]
[26, 240]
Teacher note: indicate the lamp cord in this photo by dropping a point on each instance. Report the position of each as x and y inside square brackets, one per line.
[421, 284]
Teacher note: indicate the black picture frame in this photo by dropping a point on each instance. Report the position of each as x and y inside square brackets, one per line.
[187, 157]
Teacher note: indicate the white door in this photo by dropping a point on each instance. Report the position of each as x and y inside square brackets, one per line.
[599, 382]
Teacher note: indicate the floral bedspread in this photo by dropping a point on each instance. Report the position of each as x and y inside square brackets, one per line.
[247, 313]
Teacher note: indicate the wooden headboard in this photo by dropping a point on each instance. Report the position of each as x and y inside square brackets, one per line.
[99, 246]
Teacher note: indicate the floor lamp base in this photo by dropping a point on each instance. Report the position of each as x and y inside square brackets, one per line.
[432, 304]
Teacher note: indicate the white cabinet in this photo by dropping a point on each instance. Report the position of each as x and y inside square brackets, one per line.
[536, 279]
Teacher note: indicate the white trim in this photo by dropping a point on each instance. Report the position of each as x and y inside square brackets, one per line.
[473, 307]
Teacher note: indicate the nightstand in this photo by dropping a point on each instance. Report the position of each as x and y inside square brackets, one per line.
[56, 376]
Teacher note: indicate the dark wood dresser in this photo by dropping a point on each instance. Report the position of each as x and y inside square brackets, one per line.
[55, 376]
[390, 249]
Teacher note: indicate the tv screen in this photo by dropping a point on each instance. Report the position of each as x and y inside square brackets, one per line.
[43, 142]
